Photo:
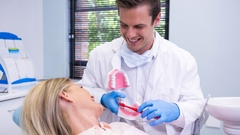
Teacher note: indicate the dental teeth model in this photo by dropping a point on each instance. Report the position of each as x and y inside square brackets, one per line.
[128, 112]
[117, 80]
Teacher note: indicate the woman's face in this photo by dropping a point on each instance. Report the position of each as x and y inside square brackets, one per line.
[84, 101]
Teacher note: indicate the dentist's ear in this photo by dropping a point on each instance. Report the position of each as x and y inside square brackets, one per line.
[66, 97]
[157, 20]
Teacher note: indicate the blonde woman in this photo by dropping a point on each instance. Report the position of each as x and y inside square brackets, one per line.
[60, 107]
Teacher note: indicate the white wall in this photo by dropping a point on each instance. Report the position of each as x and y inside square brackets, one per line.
[210, 31]
[24, 19]
[55, 35]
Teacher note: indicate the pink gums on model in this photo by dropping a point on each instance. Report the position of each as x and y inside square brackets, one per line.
[129, 112]
[117, 80]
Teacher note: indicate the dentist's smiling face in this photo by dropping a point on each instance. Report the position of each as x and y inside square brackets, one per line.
[136, 28]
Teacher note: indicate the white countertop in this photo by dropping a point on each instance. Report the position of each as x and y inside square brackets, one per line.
[17, 91]
[14, 94]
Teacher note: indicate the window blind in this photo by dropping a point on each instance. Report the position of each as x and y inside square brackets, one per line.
[94, 22]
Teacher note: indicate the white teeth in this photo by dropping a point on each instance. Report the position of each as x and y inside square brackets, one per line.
[113, 81]
[127, 109]
[128, 83]
[133, 40]
[113, 85]
[126, 79]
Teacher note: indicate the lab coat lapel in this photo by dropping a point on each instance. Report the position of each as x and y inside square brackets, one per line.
[158, 66]
[116, 60]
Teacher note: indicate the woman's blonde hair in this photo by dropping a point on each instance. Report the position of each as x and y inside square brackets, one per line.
[41, 112]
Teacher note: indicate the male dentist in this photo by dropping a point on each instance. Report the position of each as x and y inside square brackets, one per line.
[163, 77]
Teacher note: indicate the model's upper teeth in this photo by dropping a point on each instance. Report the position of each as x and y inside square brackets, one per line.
[133, 40]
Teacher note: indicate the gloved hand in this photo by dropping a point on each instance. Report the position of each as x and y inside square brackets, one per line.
[167, 112]
[109, 100]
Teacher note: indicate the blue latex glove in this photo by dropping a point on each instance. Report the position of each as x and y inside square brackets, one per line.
[109, 100]
[167, 112]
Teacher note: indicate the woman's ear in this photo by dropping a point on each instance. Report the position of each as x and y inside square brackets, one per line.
[66, 97]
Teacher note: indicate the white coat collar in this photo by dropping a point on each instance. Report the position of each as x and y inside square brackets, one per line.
[161, 43]
[119, 42]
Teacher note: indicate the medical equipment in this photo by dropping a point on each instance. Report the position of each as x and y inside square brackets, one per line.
[15, 64]
[227, 110]
[202, 119]
[129, 113]
[117, 79]
[133, 108]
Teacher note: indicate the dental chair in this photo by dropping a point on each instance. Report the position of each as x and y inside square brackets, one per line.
[17, 116]
[196, 130]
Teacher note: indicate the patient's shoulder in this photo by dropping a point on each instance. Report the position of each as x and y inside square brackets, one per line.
[119, 127]
[117, 124]
[126, 129]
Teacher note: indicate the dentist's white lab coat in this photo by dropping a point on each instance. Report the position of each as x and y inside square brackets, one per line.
[173, 77]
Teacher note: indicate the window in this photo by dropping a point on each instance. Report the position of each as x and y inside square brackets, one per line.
[93, 22]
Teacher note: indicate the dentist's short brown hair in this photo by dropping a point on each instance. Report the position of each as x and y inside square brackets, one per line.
[155, 6]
